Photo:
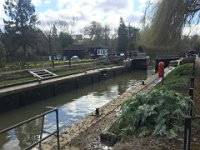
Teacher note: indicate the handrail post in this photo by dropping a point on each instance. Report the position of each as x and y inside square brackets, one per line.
[57, 125]
[193, 69]
[191, 94]
[42, 130]
[192, 82]
[187, 133]
[42, 125]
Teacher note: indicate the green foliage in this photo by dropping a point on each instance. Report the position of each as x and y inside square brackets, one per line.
[131, 46]
[160, 112]
[65, 39]
[97, 33]
[19, 24]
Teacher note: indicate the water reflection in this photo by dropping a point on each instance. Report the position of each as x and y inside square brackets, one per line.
[73, 106]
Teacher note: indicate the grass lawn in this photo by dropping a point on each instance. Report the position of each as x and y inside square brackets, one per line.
[178, 79]
[17, 81]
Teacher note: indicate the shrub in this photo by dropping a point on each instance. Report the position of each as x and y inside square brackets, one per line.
[116, 60]
[160, 112]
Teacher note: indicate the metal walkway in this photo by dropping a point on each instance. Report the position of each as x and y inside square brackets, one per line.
[42, 73]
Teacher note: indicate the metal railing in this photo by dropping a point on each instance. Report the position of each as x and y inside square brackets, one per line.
[188, 119]
[41, 139]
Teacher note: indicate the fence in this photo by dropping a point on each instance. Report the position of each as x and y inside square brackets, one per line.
[41, 139]
[188, 119]
[14, 59]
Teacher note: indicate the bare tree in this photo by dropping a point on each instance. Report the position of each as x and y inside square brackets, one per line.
[168, 20]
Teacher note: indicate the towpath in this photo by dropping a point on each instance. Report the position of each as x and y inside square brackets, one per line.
[197, 86]
[195, 137]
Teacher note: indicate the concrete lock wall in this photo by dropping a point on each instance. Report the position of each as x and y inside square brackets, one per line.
[40, 92]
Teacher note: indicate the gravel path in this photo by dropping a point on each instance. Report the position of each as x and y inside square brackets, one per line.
[197, 86]
[195, 144]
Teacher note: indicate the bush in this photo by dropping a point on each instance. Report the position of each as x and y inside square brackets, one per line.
[160, 112]
[103, 61]
[116, 60]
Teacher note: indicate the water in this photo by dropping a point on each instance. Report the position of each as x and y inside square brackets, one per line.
[73, 106]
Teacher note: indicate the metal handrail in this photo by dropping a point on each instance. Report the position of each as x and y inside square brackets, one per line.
[188, 120]
[34, 118]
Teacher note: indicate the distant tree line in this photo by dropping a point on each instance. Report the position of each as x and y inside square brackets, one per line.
[25, 37]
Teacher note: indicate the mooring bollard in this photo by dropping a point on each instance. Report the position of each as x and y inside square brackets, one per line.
[97, 113]
[39, 81]
[143, 82]
[187, 133]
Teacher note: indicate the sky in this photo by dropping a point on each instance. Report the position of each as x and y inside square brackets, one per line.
[107, 12]
[103, 11]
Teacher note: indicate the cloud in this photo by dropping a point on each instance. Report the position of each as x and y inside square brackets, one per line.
[110, 5]
[103, 11]
[36, 2]
[191, 30]
[134, 18]
[47, 2]
[85, 11]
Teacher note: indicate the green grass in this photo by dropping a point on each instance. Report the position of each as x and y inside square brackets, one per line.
[17, 81]
[178, 79]
[39, 64]
[69, 71]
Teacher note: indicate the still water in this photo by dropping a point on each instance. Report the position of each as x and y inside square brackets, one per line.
[72, 106]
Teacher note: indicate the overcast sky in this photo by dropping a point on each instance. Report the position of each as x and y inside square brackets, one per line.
[85, 11]
[104, 11]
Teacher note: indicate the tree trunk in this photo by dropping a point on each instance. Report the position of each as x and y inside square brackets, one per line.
[25, 54]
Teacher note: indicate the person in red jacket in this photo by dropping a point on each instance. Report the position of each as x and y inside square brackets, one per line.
[161, 67]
